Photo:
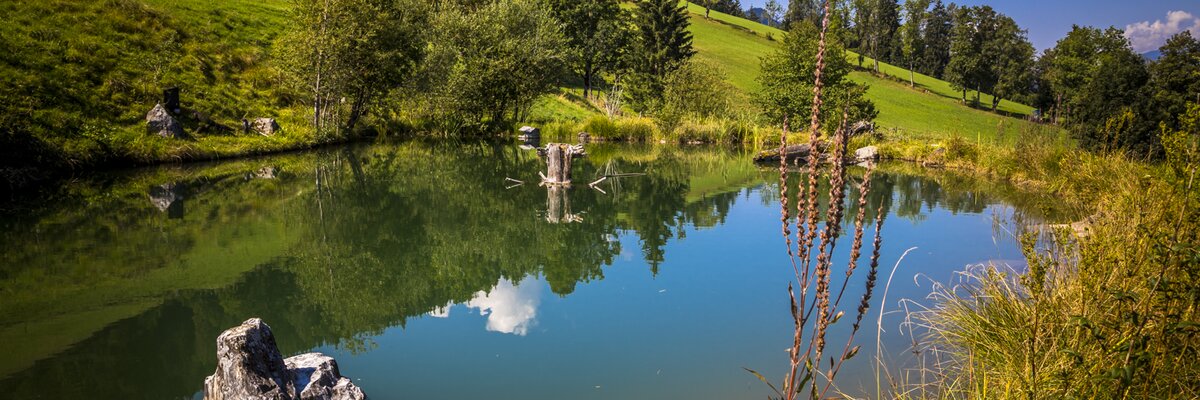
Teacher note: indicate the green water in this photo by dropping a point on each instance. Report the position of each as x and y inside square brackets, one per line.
[428, 277]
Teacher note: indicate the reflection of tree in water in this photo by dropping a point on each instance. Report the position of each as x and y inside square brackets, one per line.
[911, 196]
[361, 240]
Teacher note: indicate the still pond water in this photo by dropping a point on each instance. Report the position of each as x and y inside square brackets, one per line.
[428, 277]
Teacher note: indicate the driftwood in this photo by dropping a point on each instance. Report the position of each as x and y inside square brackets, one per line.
[795, 154]
[558, 162]
[798, 154]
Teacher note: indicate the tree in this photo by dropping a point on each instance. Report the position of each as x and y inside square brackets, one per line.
[787, 80]
[1175, 78]
[862, 27]
[347, 53]
[936, 40]
[731, 7]
[809, 11]
[912, 34]
[966, 52]
[490, 62]
[596, 36]
[1011, 61]
[664, 45]
[774, 12]
[876, 23]
[1097, 82]
[886, 24]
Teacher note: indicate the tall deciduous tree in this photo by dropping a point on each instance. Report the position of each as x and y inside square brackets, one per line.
[664, 45]
[876, 23]
[966, 52]
[1175, 78]
[347, 53]
[1097, 80]
[731, 7]
[1010, 58]
[774, 12]
[912, 34]
[490, 61]
[596, 36]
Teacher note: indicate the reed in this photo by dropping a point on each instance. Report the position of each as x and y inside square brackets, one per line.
[807, 373]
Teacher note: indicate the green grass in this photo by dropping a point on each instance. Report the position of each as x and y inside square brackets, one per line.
[921, 81]
[79, 76]
[930, 111]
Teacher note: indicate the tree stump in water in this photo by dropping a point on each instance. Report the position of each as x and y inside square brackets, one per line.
[558, 206]
[558, 163]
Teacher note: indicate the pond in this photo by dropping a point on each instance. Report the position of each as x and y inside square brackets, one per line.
[429, 275]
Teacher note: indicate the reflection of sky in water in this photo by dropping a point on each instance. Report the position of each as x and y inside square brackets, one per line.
[718, 303]
[510, 308]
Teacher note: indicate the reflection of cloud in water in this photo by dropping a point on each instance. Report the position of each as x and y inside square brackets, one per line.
[509, 308]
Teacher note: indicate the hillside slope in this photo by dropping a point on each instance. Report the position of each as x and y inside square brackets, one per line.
[931, 109]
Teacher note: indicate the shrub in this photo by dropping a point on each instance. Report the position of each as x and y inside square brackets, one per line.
[638, 129]
[600, 126]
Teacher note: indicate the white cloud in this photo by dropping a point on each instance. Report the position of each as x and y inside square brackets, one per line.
[509, 308]
[1148, 36]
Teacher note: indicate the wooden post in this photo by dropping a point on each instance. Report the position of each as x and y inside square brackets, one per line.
[171, 100]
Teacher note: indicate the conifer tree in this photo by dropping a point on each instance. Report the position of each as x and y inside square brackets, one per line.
[664, 45]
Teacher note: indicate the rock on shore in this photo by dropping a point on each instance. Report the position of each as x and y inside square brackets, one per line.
[249, 366]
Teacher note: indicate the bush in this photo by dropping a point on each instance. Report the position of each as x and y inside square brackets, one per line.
[695, 91]
[602, 127]
[638, 128]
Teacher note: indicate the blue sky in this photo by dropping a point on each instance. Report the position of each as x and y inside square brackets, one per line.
[1050, 20]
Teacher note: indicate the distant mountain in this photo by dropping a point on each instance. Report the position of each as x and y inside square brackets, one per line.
[1152, 55]
[759, 14]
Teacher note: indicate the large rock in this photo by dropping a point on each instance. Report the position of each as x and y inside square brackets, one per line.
[869, 153]
[162, 123]
[249, 366]
[263, 126]
[318, 378]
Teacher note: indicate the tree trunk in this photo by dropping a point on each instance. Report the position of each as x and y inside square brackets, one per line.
[911, 76]
[587, 83]
[558, 162]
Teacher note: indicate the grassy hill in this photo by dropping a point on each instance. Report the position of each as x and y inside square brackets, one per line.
[77, 78]
[930, 110]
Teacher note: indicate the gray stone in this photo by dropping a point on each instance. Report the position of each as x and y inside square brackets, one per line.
[861, 127]
[249, 366]
[318, 378]
[268, 172]
[530, 131]
[263, 126]
[162, 123]
[869, 153]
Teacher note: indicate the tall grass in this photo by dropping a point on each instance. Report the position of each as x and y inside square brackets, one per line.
[1106, 312]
